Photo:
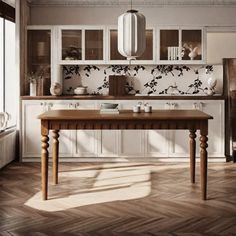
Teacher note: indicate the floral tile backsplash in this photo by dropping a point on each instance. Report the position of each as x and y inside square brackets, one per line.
[145, 80]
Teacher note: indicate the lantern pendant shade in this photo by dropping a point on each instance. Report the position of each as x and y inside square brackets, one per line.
[131, 34]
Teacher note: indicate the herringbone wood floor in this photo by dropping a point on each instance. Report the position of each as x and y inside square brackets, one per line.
[125, 199]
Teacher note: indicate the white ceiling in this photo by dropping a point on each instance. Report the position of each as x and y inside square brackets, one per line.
[147, 3]
[10, 2]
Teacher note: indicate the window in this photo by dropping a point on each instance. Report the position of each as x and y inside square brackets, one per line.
[8, 79]
[1, 65]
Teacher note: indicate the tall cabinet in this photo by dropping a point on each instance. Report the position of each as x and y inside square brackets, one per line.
[39, 59]
[230, 109]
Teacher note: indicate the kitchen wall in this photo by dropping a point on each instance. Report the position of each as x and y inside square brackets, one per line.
[212, 16]
[171, 15]
[143, 79]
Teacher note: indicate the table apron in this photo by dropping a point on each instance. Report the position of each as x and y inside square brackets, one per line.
[124, 124]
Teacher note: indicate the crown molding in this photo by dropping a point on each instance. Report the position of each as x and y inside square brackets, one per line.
[136, 3]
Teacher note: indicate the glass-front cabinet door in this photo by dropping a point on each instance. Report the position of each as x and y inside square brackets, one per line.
[148, 53]
[191, 44]
[114, 54]
[71, 41]
[115, 57]
[38, 65]
[169, 45]
[94, 45]
[81, 44]
[181, 45]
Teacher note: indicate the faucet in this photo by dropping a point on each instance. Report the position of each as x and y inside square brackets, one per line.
[174, 89]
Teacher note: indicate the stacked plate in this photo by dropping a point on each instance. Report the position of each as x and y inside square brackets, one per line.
[109, 108]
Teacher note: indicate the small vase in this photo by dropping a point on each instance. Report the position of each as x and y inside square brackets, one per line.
[210, 92]
[33, 89]
[192, 55]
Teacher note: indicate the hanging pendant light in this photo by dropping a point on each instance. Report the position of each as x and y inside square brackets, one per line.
[131, 34]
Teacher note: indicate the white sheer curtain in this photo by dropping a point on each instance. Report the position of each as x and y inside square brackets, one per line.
[1, 65]
[8, 80]
[11, 85]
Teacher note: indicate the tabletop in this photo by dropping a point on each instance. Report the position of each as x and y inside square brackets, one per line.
[124, 115]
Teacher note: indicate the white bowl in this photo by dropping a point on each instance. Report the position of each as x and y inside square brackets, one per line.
[109, 105]
[80, 90]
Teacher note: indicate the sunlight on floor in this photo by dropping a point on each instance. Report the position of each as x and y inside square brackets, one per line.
[106, 184]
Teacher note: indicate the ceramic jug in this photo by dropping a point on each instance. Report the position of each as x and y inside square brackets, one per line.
[56, 89]
[4, 117]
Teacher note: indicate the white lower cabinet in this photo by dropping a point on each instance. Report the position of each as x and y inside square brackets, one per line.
[131, 142]
[31, 132]
[179, 145]
[66, 136]
[157, 141]
[30, 135]
[122, 143]
[85, 140]
[108, 140]
[215, 127]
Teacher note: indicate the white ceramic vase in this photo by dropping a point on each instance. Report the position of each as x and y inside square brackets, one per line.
[33, 88]
[212, 82]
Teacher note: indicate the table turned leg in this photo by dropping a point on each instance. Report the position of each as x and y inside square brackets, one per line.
[192, 144]
[203, 164]
[55, 150]
[44, 166]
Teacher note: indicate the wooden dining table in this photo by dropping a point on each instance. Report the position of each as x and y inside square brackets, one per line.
[56, 120]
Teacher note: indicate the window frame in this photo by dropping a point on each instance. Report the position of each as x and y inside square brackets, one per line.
[3, 73]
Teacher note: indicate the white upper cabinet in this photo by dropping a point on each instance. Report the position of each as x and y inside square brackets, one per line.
[220, 45]
[81, 45]
[72, 45]
[179, 45]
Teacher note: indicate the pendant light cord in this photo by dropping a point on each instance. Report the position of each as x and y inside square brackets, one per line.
[131, 5]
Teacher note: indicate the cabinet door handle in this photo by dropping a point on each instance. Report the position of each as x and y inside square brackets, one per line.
[49, 106]
[76, 105]
[173, 105]
[167, 106]
[43, 103]
[198, 105]
[195, 106]
[44, 106]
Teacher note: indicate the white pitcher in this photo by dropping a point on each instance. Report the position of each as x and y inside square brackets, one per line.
[4, 117]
